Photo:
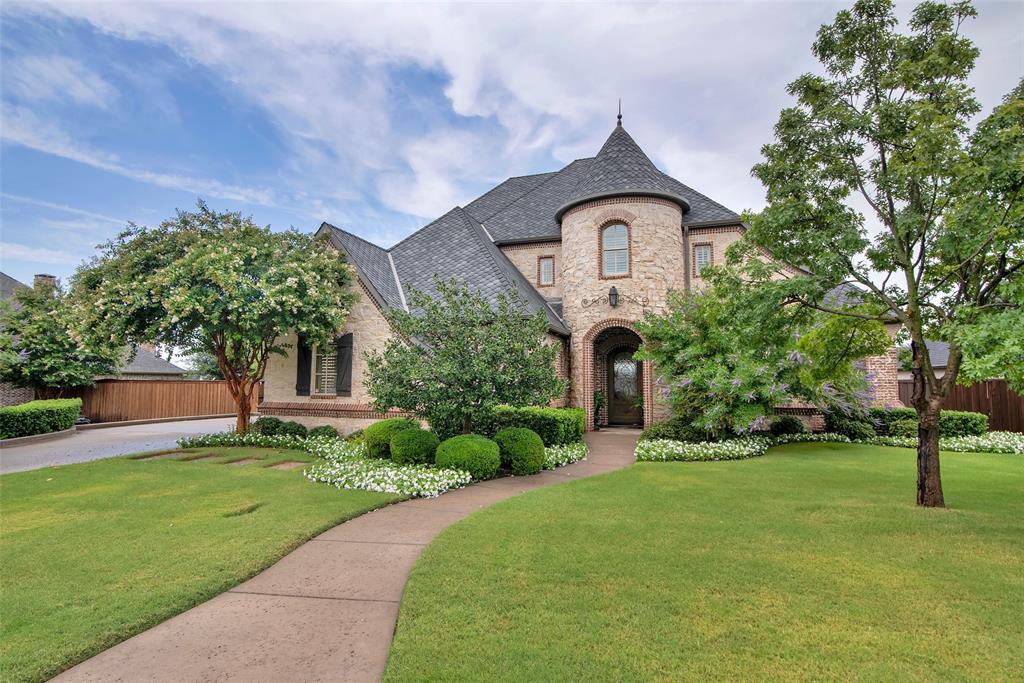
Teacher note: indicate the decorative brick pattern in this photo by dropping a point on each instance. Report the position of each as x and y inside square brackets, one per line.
[589, 381]
[11, 395]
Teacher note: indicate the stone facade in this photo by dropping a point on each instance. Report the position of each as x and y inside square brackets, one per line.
[526, 257]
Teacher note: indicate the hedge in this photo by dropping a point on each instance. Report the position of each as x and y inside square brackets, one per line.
[39, 417]
[951, 422]
[555, 426]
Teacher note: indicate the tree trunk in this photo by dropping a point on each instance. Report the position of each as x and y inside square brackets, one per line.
[467, 424]
[243, 401]
[929, 483]
[928, 407]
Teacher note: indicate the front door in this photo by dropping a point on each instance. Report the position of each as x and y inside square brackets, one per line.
[625, 406]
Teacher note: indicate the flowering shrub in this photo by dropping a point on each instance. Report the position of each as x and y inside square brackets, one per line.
[992, 442]
[249, 439]
[734, 449]
[386, 477]
[565, 454]
[803, 438]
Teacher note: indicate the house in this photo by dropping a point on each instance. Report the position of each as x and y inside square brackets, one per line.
[938, 352]
[594, 245]
[11, 394]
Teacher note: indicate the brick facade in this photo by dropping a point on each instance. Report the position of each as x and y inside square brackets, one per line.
[11, 395]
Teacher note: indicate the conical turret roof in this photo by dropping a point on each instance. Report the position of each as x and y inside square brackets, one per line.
[622, 168]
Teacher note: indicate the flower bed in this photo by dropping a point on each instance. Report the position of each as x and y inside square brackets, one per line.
[565, 454]
[993, 442]
[250, 439]
[663, 450]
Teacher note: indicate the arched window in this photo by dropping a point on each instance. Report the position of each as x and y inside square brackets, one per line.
[615, 249]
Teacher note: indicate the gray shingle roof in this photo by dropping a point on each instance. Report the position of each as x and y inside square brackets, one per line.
[8, 286]
[147, 363]
[521, 209]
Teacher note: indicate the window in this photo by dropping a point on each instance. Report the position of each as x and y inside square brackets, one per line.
[326, 371]
[701, 258]
[615, 249]
[546, 270]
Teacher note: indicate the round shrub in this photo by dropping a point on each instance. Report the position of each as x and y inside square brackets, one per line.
[787, 424]
[323, 432]
[414, 447]
[850, 426]
[292, 428]
[267, 426]
[377, 436]
[472, 453]
[661, 430]
[521, 449]
[903, 428]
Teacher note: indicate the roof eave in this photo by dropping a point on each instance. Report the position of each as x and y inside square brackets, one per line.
[676, 199]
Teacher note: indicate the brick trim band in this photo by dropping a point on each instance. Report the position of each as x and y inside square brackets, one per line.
[358, 411]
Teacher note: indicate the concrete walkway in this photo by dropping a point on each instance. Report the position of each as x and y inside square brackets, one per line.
[327, 611]
[93, 444]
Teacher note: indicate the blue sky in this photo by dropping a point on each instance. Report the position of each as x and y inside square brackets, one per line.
[378, 118]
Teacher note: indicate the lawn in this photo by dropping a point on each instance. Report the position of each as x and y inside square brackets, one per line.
[91, 554]
[809, 563]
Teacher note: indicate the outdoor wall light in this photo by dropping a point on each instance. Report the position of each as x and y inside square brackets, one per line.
[613, 297]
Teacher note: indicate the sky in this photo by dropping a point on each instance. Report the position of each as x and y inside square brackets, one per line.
[379, 118]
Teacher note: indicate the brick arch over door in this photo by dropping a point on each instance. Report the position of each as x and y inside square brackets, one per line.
[588, 370]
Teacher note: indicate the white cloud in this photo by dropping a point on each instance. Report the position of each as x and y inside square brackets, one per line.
[62, 207]
[11, 251]
[56, 78]
[701, 84]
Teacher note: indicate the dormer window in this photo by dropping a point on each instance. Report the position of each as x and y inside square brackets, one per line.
[615, 250]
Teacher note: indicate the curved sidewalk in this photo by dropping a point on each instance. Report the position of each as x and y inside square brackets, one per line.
[327, 611]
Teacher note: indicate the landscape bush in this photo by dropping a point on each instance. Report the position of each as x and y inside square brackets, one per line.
[882, 419]
[786, 424]
[555, 426]
[414, 447]
[904, 428]
[354, 435]
[292, 428]
[855, 427]
[323, 432]
[953, 423]
[377, 436]
[267, 426]
[472, 453]
[521, 449]
[679, 428]
[39, 417]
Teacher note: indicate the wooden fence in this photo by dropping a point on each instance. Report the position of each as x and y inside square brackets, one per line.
[1004, 407]
[115, 400]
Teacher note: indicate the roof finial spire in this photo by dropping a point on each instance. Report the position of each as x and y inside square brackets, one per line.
[619, 117]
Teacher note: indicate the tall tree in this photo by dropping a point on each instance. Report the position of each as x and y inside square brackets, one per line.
[886, 132]
[42, 347]
[455, 355]
[216, 282]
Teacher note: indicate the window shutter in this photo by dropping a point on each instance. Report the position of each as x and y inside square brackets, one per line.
[303, 367]
[343, 383]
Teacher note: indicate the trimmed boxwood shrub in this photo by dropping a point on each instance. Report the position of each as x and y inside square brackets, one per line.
[39, 417]
[414, 447]
[292, 428]
[951, 422]
[882, 419]
[377, 436]
[267, 426]
[852, 426]
[471, 453]
[323, 431]
[521, 449]
[787, 424]
[555, 426]
[903, 428]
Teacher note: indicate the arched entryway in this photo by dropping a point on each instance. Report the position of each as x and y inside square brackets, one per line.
[609, 368]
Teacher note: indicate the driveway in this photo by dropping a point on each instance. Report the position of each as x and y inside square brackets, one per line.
[93, 444]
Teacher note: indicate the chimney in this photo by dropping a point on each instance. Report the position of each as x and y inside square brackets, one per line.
[44, 280]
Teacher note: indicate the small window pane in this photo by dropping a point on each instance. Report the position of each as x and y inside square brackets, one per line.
[547, 271]
[702, 257]
[615, 249]
[326, 371]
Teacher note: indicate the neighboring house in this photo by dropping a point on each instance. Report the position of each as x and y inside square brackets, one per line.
[938, 352]
[595, 246]
[10, 394]
[147, 365]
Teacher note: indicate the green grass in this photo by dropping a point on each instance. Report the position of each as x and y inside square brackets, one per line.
[811, 563]
[94, 553]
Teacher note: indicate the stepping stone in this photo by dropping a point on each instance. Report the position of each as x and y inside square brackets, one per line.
[244, 461]
[163, 456]
[287, 465]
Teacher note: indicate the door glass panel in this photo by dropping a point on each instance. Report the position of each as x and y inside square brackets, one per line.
[625, 376]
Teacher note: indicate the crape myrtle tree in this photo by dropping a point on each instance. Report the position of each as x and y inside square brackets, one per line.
[728, 354]
[42, 347]
[875, 178]
[455, 355]
[218, 283]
